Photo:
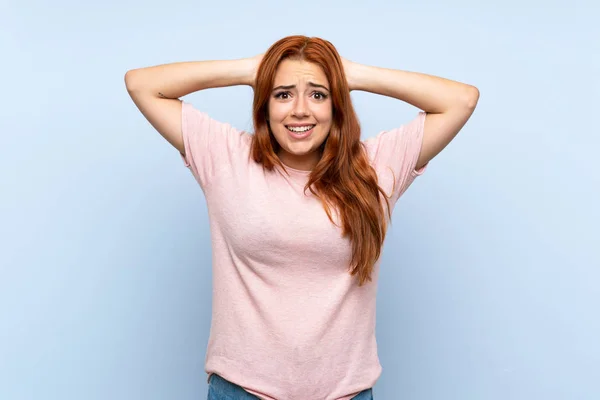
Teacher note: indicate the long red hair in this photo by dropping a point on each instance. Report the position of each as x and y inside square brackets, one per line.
[343, 179]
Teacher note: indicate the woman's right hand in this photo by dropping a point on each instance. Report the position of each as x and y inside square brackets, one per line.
[254, 63]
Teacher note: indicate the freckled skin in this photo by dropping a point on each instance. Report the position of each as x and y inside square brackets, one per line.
[303, 104]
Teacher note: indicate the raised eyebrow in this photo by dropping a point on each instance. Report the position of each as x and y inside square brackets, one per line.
[287, 87]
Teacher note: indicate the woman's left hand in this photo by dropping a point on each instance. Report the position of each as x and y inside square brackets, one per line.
[349, 72]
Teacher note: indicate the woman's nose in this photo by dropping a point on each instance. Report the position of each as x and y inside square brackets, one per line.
[300, 107]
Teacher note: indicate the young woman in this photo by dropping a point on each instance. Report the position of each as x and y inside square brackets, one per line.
[298, 209]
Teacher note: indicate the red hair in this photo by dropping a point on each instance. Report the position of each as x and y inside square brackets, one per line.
[343, 178]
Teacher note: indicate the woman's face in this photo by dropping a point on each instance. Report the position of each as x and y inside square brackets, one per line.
[300, 112]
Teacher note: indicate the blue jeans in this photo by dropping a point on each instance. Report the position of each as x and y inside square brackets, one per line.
[221, 389]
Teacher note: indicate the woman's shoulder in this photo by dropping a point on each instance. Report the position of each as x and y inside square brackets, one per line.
[211, 143]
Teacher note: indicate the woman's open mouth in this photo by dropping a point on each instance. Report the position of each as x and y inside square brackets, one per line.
[300, 132]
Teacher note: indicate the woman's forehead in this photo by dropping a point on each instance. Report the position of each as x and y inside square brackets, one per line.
[296, 72]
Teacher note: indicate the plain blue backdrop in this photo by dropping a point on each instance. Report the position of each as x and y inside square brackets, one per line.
[490, 278]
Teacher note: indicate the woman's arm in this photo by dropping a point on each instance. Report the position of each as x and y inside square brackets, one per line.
[156, 90]
[449, 104]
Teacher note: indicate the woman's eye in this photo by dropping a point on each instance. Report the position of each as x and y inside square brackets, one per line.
[286, 95]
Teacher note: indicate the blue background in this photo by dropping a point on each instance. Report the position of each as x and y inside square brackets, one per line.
[490, 277]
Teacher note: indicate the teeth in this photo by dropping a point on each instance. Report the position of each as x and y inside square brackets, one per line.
[300, 128]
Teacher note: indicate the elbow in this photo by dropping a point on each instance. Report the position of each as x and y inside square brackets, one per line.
[471, 97]
[130, 80]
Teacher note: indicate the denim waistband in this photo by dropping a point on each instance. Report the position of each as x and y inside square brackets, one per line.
[221, 389]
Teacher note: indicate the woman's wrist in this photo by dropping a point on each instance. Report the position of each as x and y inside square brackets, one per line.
[351, 70]
[250, 66]
[360, 75]
[247, 71]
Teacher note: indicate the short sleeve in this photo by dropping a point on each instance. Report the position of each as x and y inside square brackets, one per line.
[394, 155]
[210, 145]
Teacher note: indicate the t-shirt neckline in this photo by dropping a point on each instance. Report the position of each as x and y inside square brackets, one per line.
[296, 171]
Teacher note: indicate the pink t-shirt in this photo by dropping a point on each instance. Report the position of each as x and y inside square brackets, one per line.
[288, 320]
